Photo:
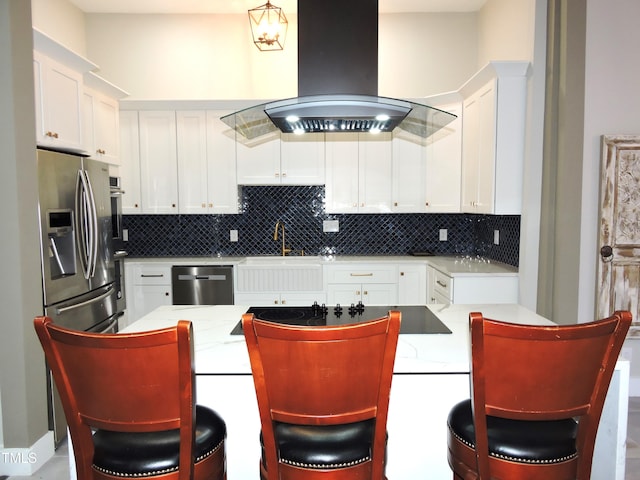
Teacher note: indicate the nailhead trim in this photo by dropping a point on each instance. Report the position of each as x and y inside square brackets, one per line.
[321, 466]
[516, 459]
[155, 473]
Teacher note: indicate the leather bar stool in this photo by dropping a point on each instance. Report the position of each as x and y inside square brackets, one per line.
[537, 397]
[129, 400]
[323, 397]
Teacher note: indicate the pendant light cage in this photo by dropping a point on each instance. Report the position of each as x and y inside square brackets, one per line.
[268, 27]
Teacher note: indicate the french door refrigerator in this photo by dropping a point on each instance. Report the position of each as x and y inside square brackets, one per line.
[76, 250]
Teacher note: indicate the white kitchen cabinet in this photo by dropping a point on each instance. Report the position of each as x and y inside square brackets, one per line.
[130, 162]
[258, 160]
[101, 130]
[148, 286]
[296, 299]
[206, 164]
[367, 283]
[473, 288]
[444, 164]
[358, 176]
[426, 171]
[412, 284]
[158, 161]
[302, 159]
[59, 104]
[493, 117]
[282, 159]
[222, 186]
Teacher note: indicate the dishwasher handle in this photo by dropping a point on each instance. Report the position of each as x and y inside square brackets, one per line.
[202, 277]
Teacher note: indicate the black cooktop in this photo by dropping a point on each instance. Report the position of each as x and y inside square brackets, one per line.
[416, 319]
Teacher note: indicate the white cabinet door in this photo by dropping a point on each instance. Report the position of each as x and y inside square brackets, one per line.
[130, 162]
[302, 159]
[412, 284]
[59, 104]
[358, 173]
[158, 162]
[295, 299]
[221, 165]
[258, 160]
[341, 191]
[374, 184]
[478, 147]
[191, 145]
[101, 131]
[444, 164]
[346, 294]
[409, 179]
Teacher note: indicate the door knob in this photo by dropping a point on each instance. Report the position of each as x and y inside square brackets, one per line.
[606, 252]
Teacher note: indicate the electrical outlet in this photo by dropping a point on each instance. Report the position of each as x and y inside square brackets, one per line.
[443, 234]
[330, 226]
[496, 237]
[125, 234]
[233, 235]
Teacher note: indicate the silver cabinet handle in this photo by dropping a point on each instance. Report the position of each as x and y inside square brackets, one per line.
[361, 274]
[442, 284]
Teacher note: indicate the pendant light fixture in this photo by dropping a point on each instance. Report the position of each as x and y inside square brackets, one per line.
[268, 27]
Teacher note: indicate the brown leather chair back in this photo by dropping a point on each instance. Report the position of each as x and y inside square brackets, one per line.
[524, 372]
[322, 376]
[136, 382]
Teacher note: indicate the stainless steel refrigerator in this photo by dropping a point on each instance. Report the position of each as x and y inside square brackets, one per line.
[76, 250]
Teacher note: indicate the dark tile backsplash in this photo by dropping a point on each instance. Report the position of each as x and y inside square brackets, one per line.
[302, 211]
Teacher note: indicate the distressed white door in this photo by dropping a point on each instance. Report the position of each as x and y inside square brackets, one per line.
[619, 263]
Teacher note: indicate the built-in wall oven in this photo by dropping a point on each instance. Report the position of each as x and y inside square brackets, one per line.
[117, 236]
[116, 208]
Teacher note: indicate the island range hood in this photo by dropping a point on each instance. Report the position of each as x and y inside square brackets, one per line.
[338, 80]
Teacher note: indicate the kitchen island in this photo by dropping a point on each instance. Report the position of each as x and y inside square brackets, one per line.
[431, 374]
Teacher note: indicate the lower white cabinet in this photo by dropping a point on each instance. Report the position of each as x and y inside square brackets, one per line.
[294, 299]
[412, 284]
[476, 288]
[148, 286]
[370, 284]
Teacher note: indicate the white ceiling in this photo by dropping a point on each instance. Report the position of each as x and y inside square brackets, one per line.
[241, 6]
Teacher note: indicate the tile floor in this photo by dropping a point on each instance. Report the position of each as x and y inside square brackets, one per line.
[58, 466]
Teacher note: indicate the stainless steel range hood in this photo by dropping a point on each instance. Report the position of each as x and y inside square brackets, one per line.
[338, 80]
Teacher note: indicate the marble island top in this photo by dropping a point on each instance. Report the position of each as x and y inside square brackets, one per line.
[217, 352]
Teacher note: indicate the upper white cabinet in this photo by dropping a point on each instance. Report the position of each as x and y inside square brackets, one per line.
[101, 133]
[302, 159]
[130, 162]
[359, 167]
[426, 172]
[158, 161]
[206, 163]
[281, 159]
[59, 104]
[493, 139]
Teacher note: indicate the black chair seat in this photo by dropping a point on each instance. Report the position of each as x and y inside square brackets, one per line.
[324, 447]
[518, 440]
[154, 453]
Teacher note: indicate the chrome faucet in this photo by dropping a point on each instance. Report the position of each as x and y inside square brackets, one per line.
[280, 226]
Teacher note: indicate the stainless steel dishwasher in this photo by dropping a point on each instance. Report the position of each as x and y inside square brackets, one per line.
[202, 284]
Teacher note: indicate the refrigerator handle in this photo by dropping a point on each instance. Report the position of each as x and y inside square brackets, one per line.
[87, 224]
[99, 298]
[94, 224]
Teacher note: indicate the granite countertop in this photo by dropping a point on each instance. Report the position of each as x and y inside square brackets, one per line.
[219, 353]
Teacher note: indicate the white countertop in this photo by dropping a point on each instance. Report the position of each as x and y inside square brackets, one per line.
[218, 352]
[451, 265]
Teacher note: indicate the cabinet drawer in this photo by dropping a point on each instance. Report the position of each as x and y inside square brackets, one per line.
[152, 275]
[362, 274]
[442, 284]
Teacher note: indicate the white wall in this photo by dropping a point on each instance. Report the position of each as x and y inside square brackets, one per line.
[61, 20]
[506, 30]
[612, 104]
[212, 57]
